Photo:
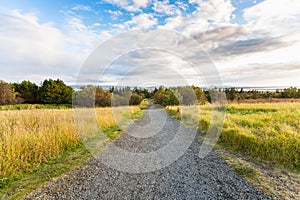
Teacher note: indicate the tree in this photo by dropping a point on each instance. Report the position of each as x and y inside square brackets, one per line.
[254, 94]
[55, 92]
[146, 93]
[111, 90]
[135, 99]
[85, 97]
[291, 92]
[186, 95]
[170, 99]
[121, 96]
[159, 95]
[242, 94]
[7, 94]
[215, 96]
[102, 98]
[200, 94]
[232, 94]
[26, 91]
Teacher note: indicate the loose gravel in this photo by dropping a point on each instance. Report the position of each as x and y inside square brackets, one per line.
[189, 177]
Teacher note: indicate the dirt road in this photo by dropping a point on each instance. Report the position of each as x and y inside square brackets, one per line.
[188, 177]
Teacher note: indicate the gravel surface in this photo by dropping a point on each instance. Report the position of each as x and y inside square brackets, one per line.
[189, 177]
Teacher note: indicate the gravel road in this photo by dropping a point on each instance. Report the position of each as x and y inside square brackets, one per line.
[189, 177]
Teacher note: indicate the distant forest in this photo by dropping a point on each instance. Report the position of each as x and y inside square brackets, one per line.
[57, 92]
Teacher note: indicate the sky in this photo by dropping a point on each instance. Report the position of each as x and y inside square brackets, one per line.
[241, 42]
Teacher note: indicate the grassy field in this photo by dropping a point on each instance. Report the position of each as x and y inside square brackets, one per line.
[34, 106]
[33, 141]
[265, 131]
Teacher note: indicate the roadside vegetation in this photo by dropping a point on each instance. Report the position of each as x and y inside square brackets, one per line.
[34, 106]
[42, 141]
[259, 141]
[278, 181]
[265, 131]
[39, 139]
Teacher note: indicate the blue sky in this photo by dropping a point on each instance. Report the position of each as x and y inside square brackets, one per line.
[251, 43]
[102, 11]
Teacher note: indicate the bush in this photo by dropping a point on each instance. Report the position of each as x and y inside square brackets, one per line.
[26, 92]
[7, 94]
[135, 99]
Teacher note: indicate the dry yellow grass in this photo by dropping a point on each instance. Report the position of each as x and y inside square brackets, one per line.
[29, 138]
[268, 131]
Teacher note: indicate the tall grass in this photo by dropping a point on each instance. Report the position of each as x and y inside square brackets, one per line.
[29, 138]
[267, 131]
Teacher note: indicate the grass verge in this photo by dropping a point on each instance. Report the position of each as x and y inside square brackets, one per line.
[34, 106]
[260, 142]
[18, 186]
[264, 131]
[37, 145]
[277, 181]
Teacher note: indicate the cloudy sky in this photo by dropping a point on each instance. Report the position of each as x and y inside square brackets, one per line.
[249, 42]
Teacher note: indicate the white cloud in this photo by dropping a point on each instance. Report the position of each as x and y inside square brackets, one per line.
[80, 7]
[215, 10]
[278, 67]
[115, 13]
[273, 17]
[163, 7]
[266, 47]
[273, 9]
[143, 21]
[24, 40]
[80, 38]
[140, 3]
[120, 3]
[130, 5]
[39, 51]
[96, 25]
[182, 5]
[218, 11]
[208, 13]
[269, 38]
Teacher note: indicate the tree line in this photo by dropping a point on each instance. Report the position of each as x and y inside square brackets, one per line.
[50, 92]
[88, 96]
[234, 94]
[57, 92]
[188, 95]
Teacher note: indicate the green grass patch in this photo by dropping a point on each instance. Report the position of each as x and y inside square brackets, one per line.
[35, 106]
[112, 132]
[15, 187]
[245, 170]
[248, 111]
